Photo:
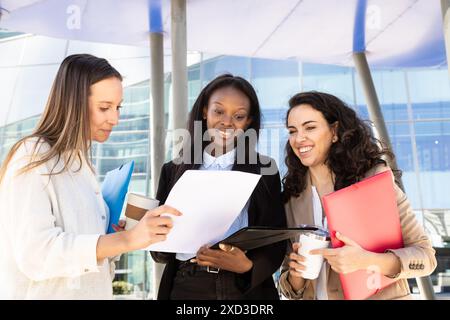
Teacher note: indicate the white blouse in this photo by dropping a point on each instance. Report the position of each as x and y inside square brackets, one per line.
[320, 221]
[49, 228]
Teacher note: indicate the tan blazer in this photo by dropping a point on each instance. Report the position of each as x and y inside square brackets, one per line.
[417, 257]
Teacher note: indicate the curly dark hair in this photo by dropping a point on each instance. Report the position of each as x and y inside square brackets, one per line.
[355, 152]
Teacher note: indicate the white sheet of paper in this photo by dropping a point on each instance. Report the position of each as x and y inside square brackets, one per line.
[210, 201]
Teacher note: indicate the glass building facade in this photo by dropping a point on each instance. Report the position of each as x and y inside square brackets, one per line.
[415, 104]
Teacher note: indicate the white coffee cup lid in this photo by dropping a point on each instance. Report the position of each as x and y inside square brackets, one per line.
[141, 201]
[318, 235]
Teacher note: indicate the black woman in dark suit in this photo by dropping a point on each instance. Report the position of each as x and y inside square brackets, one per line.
[227, 112]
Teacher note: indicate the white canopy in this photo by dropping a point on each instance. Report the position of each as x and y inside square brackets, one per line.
[400, 33]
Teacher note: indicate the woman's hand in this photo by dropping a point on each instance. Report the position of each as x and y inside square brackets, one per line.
[120, 227]
[152, 228]
[228, 258]
[296, 268]
[349, 258]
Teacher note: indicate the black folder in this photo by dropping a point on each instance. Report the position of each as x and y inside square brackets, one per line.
[254, 237]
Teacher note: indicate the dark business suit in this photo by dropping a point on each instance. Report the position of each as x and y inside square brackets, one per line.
[265, 209]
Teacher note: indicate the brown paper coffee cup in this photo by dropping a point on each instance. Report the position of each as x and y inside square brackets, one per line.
[137, 206]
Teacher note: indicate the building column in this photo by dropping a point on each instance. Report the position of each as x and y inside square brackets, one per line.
[179, 108]
[156, 141]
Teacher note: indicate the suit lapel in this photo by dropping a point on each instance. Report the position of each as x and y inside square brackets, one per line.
[302, 206]
[302, 209]
[254, 168]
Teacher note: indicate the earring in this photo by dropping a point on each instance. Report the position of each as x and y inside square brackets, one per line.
[335, 139]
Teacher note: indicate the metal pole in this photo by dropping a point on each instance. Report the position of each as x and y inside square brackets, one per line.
[445, 6]
[373, 106]
[156, 139]
[157, 131]
[179, 105]
[179, 65]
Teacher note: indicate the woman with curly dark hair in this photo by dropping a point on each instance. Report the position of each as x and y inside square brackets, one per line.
[330, 148]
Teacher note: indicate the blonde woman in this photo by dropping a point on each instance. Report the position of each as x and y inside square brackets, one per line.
[52, 236]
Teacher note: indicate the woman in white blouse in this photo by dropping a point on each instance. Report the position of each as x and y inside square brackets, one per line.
[53, 217]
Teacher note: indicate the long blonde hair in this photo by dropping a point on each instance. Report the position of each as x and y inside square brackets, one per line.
[64, 125]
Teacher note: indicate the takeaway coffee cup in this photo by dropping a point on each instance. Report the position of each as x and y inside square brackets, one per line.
[313, 263]
[137, 206]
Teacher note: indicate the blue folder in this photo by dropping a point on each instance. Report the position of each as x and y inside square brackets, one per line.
[114, 191]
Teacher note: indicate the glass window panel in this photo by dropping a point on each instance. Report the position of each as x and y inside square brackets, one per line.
[362, 111]
[330, 79]
[8, 78]
[8, 34]
[429, 85]
[32, 90]
[398, 130]
[194, 84]
[238, 66]
[431, 110]
[266, 68]
[36, 50]
[133, 70]
[10, 52]
[433, 146]
[275, 82]
[403, 153]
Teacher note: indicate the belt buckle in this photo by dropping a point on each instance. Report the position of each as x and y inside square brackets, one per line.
[212, 269]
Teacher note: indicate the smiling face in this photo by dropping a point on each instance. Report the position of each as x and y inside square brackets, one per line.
[228, 111]
[104, 104]
[310, 135]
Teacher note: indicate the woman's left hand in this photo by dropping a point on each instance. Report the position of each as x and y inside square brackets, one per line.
[349, 258]
[120, 227]
[228, 258]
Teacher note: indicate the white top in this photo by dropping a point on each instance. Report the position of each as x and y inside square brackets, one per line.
[224, 162]
[320, 221]
[49, 231]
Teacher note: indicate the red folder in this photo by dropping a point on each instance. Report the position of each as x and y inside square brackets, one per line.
[367, 213]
